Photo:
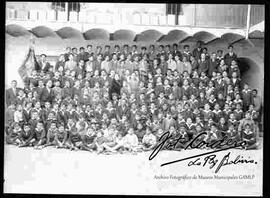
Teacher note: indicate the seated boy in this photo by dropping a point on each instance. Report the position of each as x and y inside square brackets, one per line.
[232, 133]
[131, 142]
[88, 140]
[26, 136]
[249, 136]
[60, 137]
[13, 136]
[99, 141]
[52, 131]
[39, 135]
[212, 134]
[75, 140]
[149, 140]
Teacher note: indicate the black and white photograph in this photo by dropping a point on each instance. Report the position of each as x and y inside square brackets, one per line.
[134, 98]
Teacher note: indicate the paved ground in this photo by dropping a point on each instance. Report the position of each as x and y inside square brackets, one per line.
[62, 171]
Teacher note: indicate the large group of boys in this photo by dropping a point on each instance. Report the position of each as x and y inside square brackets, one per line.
[123, 100]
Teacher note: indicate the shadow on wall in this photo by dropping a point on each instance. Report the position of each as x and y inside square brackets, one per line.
[251, 73]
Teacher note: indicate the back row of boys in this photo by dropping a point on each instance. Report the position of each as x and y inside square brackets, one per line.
[151, 52]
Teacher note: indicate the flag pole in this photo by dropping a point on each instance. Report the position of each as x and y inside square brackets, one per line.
[32, 42]
[248, 21]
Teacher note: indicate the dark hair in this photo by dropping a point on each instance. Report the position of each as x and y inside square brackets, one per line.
[230, 46]
[255, 90]
[185, 46]
[89, 46]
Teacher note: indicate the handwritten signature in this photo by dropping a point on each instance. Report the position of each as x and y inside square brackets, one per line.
[169, 141]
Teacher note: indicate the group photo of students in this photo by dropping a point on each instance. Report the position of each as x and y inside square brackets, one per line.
[123, 98]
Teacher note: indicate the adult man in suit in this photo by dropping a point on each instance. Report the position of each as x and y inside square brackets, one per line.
[198, 50]
[43, 64]
[47, 93]
[11, 93]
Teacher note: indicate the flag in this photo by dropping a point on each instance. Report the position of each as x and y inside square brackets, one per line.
[30, 63]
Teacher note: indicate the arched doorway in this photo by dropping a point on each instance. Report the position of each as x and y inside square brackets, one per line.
[251, 73]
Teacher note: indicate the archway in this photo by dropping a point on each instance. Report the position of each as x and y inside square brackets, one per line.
[252, 73]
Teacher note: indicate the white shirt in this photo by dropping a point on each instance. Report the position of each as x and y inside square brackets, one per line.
[131, 140]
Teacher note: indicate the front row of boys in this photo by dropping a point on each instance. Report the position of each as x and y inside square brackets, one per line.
[91, 137]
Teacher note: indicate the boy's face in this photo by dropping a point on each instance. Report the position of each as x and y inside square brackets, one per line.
[130, 131]
[89, 48]
[47, 105]
[53, 126]
[39, 125]
[231, 128]
[26, 128]
[99, 134]
[17, 127]
[61, 128]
